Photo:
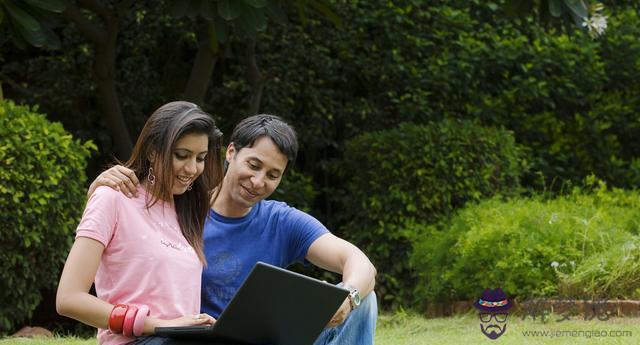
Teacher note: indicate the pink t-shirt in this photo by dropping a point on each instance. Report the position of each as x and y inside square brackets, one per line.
[146, 259]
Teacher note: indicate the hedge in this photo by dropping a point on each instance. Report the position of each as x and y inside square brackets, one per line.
[415, 174]
[582, 245]
[42, 196]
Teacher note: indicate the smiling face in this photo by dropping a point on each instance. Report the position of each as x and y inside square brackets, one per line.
[252, 175]
[188, 160]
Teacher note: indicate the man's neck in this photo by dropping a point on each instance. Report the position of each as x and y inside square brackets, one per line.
[224, 206]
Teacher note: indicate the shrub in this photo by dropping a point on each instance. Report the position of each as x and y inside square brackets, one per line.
[414, 174]
[296, 189]
[513, 243]
[42, 196]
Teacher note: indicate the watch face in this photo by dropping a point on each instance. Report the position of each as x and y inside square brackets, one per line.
[355, 297]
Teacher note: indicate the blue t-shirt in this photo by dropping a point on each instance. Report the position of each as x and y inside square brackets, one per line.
[271, 232]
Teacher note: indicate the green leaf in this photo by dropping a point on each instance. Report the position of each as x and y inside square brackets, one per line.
[577, 8]
[222, 31]
[518, 7]
[24, 35]
[22, 18]
[275, 12]
[208, 10]
[229, 9]
[301, 12]
[325, 9]
[256, 3]
[1, 15]
[52, 41]
[252, 21]
[555, 8]
[179, 8]
[56, 6]
[213, 37]
[193, 8]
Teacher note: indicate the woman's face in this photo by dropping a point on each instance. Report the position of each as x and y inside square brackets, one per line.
[188, 160]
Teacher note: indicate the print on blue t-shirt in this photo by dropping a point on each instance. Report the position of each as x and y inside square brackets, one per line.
[271, 232]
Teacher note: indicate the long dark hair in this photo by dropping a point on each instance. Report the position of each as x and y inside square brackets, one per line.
[157, 139]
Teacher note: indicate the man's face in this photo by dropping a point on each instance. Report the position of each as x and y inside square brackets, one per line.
[493, 325]
[253, 173]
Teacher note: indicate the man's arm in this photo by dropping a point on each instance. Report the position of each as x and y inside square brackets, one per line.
[117, 177]
[337, 255]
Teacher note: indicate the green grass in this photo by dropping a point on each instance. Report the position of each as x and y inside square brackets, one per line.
[408, 329]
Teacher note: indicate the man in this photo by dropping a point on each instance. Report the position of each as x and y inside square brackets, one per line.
[244, 228]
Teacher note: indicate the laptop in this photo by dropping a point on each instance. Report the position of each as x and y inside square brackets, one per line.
[273, 306]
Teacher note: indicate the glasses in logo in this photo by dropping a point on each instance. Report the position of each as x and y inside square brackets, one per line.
[500, 317]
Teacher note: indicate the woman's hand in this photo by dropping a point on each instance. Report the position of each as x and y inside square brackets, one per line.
[192, 320]
[187, 320]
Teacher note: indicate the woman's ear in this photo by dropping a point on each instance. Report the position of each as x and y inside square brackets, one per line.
[152, 157]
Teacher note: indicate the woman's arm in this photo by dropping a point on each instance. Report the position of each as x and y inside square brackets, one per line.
[73, 299]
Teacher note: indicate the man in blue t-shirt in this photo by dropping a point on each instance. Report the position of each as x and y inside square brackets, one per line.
[244, 228]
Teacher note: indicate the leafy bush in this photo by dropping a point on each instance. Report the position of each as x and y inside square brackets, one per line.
[42, 196]
[570, 99]
[296, 189]
[583, 244]
[398, 177]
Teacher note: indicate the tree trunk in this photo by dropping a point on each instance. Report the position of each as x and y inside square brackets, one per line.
[201, 72]
[104, 40]
[104, 71]
[110, 106]
[255, 77]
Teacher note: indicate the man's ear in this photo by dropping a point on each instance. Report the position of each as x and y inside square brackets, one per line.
[231, 151]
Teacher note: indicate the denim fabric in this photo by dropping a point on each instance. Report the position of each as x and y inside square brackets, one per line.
[358, 329]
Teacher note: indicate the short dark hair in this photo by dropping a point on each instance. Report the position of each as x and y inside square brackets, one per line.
[254, 127]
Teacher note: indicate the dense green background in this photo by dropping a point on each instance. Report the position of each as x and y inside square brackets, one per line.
[405, 111]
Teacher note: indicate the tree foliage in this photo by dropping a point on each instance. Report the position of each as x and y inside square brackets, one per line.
[419, 174]
[31, 22]
[41, 200]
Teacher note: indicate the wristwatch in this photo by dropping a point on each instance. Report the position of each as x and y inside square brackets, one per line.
[354, 296]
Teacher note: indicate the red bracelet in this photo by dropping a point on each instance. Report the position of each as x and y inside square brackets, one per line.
[116, 318]
[127, 325]
[138, 323]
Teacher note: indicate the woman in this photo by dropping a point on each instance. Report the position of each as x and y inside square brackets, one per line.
[145, 253]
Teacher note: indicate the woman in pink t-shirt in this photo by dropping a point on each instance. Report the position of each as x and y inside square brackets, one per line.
[145, 253]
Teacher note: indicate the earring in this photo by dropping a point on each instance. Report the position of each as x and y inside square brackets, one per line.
[151, 177]
[190, 186]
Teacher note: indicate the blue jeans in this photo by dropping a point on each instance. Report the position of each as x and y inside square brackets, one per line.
[358, 329]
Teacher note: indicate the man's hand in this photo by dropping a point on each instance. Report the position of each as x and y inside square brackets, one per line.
[341, 314]
[119, 178]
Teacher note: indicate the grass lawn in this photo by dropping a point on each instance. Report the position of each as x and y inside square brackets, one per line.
[407, 329]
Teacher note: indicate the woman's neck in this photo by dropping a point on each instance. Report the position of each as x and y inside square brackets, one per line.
[148, 188]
